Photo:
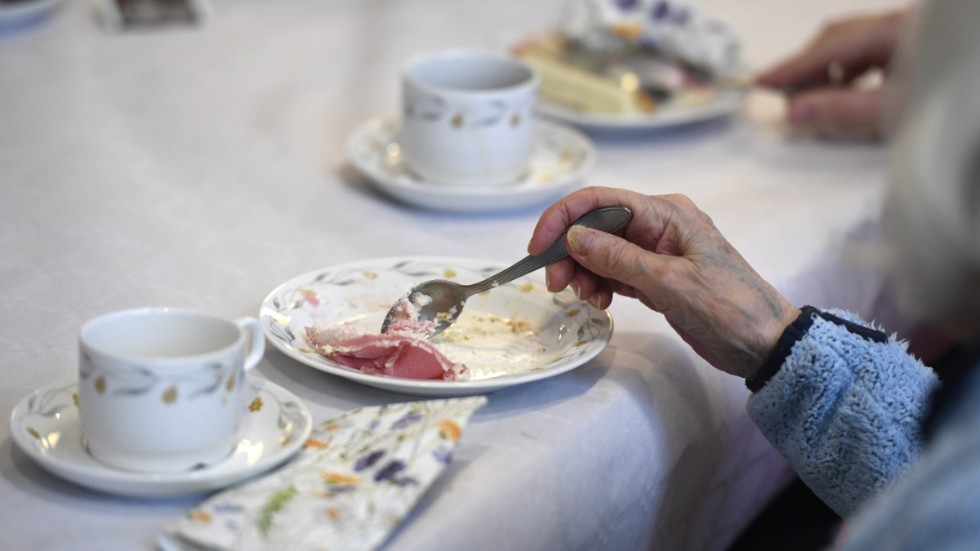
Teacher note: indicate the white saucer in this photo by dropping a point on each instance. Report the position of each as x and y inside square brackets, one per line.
[562, 157]
[45, 426]
[25, 12]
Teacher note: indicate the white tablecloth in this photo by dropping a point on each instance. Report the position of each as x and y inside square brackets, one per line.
[203, 167]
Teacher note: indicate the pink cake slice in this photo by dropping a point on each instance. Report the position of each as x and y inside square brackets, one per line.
[399, 353]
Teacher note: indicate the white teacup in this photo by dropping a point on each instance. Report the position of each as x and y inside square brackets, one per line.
[163, 389]
[468, 117]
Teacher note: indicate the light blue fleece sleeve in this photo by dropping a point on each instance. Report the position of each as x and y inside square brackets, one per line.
[937, 506]
[845, 411]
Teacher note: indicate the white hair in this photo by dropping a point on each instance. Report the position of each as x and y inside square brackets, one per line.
[932, 207]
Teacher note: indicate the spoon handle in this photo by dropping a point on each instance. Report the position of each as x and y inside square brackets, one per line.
[607, 219]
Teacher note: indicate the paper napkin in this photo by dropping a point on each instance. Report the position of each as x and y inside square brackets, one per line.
[357, 477]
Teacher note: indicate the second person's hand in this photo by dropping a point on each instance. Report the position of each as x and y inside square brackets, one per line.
[819, 80]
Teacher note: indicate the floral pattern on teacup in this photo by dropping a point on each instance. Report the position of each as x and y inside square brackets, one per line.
[466, 115]
[131, 380]
[359, 475]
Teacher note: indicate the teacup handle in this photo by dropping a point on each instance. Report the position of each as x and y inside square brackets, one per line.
[256, 341]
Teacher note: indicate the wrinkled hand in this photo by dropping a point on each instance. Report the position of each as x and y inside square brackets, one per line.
[673, 259]
[819, 80]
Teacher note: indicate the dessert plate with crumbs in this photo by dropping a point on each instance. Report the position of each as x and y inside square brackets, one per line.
[720, 103]
[600, 77]
[561, 158]
[45, 425]
[516, 334]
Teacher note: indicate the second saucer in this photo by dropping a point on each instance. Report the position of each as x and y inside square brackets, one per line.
[45, 425]
[560, 160]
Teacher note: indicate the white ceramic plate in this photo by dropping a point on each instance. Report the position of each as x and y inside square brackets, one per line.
[515, 334]
[15, 14]
[562, 157]
[725, 103]
[45, 426]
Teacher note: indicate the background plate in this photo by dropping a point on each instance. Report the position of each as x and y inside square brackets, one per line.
[26, 12]
[727, 102]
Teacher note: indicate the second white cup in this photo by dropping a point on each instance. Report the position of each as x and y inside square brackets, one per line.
[162, 389]
[468, 117]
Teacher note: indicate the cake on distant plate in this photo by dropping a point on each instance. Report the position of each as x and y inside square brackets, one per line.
[632, 57]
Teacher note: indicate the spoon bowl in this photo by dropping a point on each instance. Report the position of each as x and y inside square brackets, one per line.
[431, 307]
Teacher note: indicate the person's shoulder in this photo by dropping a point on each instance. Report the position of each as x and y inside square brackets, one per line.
[937, 504]
[958, 412]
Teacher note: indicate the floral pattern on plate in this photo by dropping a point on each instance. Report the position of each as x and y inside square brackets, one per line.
[45, 425]
[515, 334]
[357, 479]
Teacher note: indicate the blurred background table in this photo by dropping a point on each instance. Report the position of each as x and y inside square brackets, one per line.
[202, 167]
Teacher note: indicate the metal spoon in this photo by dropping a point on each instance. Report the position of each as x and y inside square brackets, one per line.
[440, 301]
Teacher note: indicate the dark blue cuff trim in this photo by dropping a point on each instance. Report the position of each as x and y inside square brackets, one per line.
[792, 335]
[857, 329]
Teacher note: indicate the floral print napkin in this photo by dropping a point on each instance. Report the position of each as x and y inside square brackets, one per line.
[357, 477]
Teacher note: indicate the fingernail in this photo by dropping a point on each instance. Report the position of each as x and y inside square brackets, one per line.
[575, 289]
[579, 239]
